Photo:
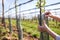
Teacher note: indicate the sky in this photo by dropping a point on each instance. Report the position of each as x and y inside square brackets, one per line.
[10, 3]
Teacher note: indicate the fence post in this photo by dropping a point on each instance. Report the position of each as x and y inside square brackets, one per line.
[46, 35]
[18, 22]
[10, 27]
[3, 19]
[19, 29]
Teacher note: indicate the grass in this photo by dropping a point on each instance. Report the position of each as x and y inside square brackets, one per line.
[31, 27]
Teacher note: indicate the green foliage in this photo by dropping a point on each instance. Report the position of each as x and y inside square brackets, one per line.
[43, 2]
[31, 27]
[3, 32]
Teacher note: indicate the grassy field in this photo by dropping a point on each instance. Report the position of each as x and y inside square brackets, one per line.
[30, 27]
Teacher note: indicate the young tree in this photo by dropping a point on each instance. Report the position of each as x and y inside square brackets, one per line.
[40, 4]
